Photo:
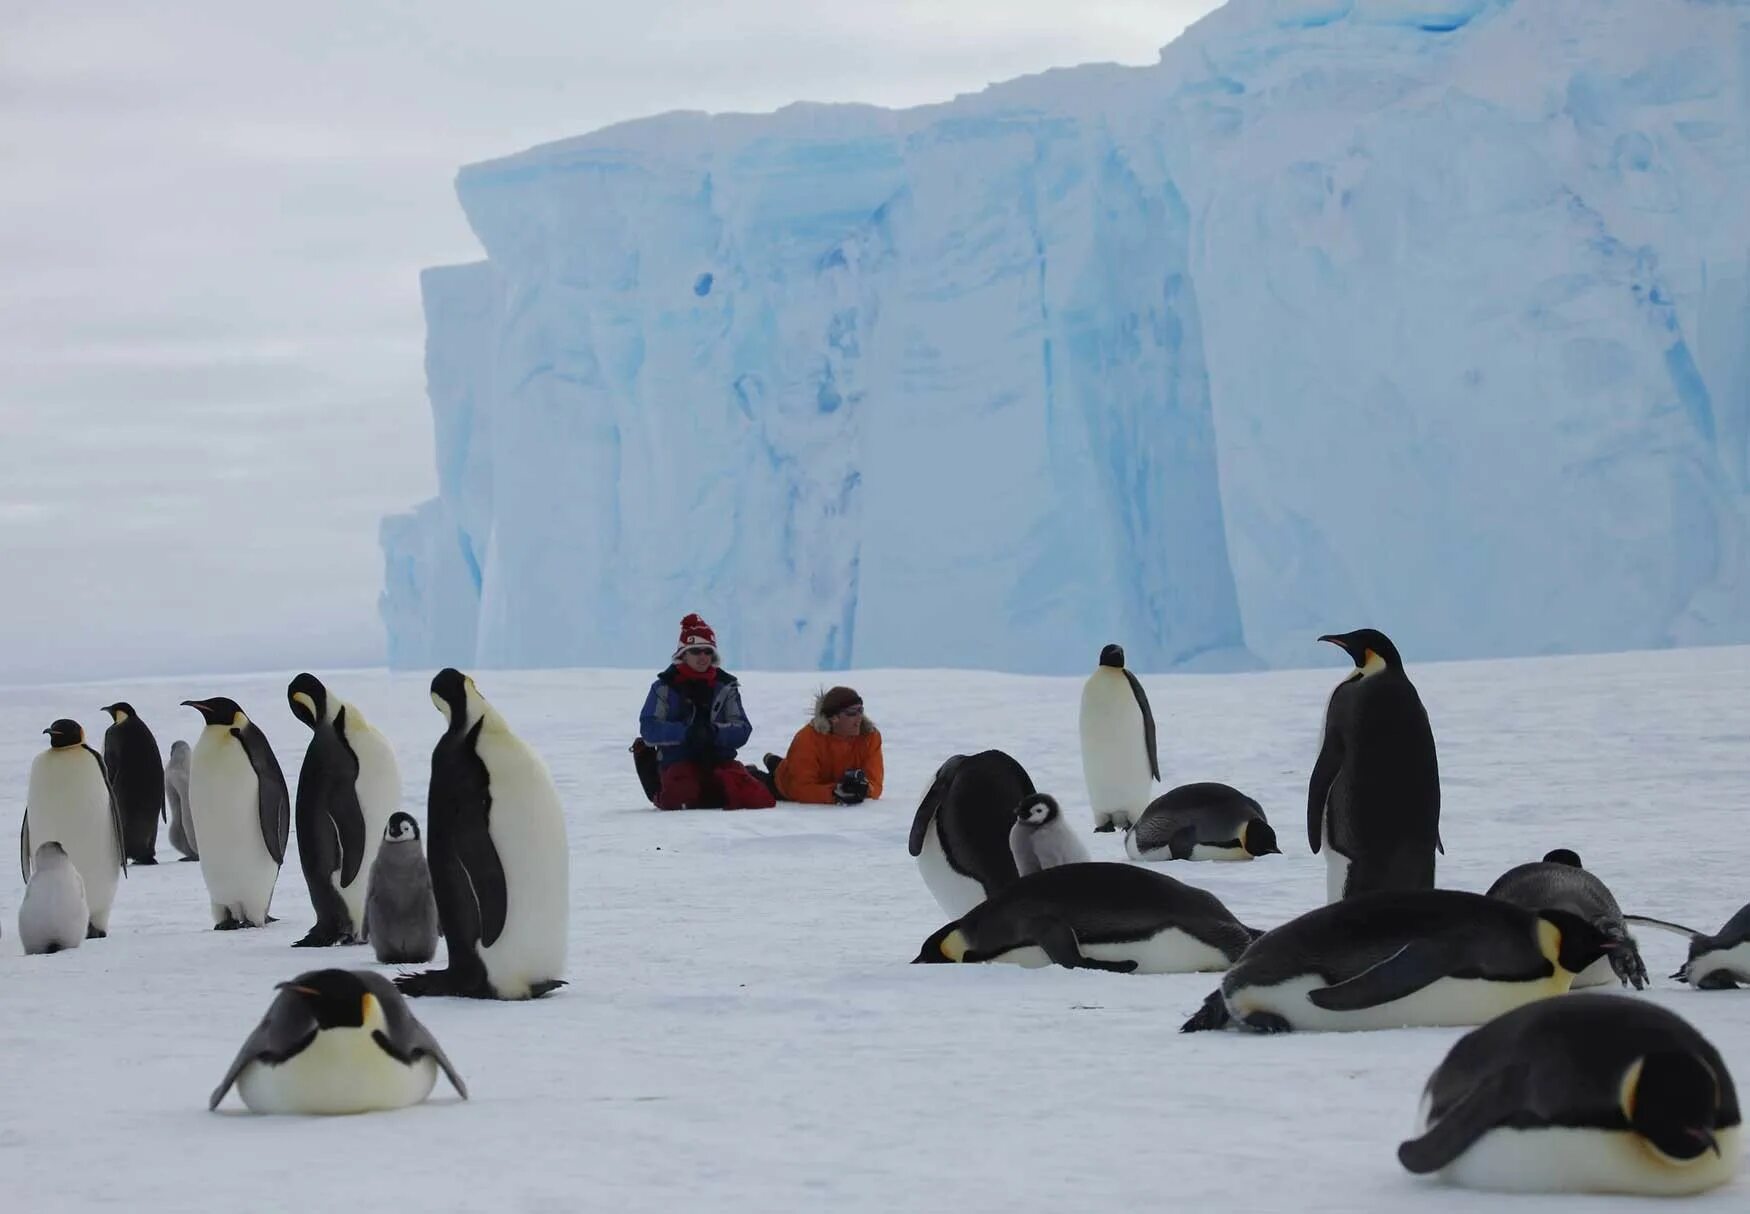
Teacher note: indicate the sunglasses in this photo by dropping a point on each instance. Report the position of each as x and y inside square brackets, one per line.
[687, 653]
[856, 710]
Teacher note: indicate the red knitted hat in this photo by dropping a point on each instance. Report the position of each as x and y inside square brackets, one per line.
[695, 634]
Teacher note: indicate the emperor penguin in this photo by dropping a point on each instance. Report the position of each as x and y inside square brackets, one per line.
[182, 836]
[1206, 821]
[1119, 758]
[1041, 837]
[136, 775]
[1097, 915]
[960, 833]
[401, 917]
[53, 915]
[68, 801]
[1373, 803]
[1720, 962]
[238, 794]
[1590, 1094]
[1558, 880]
[335, 1042]
[500, 865]
[1423, 958]
[347, 788]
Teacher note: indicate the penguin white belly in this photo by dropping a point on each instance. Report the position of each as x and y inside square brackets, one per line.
[1170, 951]
[239, 870]
[954, 892]
[527, 826]
[1598, 973]
[1336, 864]
[342, 1071]
[1207, 851]
[1571, 1159]
[1444, 1003]
[1114, 751]
[379, 794]
[1734, 961]
[67, 802]
[54, 914]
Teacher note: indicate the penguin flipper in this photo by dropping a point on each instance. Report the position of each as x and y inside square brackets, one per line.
[284, 1032]
[1058, 939]
[272, 804]
[1182, 842]
[348, 815]
[1478, 1111]
[1663, 926]
[1318, 789]
[115, 812]
[1417, 964]
[473, 848]
[407, 1038]
[920, 823]
[24, 846]
[1148, 724]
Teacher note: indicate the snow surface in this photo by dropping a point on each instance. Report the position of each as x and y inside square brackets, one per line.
[1426, 312]
[743, 1030]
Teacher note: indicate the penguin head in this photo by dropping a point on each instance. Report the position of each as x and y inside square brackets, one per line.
[402, 828]
[456, 697]
[1563, 855]
[178, 747]
[120, 711]
[64, 733]
[308, 699]
[1036, 810]
[946, 944]
[1367, 647]
[1113, 656]
[1672, 1099]
[1259, 838]
[49, 855]
[219, 711]
[1571, 942]
[337, 999]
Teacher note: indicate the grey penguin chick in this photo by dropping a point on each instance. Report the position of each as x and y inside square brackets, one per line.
[53, 915]
[1720, 962]
[1205, 821]
[1041, 838]
[401, 916]
[1559, 881]
[176, 797]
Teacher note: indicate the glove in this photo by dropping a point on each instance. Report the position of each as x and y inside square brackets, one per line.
[701, 739]
[852, 788]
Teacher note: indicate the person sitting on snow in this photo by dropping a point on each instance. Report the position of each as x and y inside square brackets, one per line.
[835, 758]
[692, 725]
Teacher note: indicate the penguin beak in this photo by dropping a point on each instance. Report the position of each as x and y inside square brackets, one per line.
[50, 731]
[197, 705]
[289, 985]
[1706, 1139]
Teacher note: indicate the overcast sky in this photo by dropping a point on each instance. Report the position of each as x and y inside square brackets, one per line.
[212, 220]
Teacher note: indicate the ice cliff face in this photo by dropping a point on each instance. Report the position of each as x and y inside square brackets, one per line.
[1432, 315]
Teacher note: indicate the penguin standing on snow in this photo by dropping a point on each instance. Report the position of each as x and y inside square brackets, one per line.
[1201, 822]
[238, 793]
[401, 917]
[1041, 837]
[347, 788]
[1119, 758]
[1373, 804]
[1559, 881]
[1427, 958]
[53, 915]
[182, 836]
[136, 775]
[960, 833]
[1592, 1094]
[1720, 962]
[68, 801]
[500, 865]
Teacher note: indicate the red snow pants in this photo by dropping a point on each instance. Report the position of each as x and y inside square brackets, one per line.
[689, 785]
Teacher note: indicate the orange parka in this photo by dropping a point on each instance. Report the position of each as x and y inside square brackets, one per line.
[818, 757]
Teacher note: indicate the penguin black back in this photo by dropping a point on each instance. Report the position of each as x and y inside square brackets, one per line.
[136, 776]
[972, 802]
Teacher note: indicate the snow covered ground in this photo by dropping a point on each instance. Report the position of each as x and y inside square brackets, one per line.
[742, 1029]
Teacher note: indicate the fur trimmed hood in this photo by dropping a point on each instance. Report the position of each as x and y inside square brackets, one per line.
[822, 725]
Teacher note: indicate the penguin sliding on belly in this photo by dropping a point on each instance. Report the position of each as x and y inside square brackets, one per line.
[1559, 881]
[960, 833]
[1720, 962]
[1427, 958]
[500, 865]
[1096, 915]
[1201, 822]
[1587, 1094]
[238, 794]
[1120, 759]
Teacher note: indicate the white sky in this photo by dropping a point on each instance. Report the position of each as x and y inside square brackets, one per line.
[212, 219]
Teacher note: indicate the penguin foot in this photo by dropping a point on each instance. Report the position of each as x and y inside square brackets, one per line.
[1211, 1016]
[187, 859]
[439, 982]
[228, 924]
[321, 937]
[545, 987]
[1266, 1022]
[143, 860]
[93, 932]
[1105, 828]
[1719, 980]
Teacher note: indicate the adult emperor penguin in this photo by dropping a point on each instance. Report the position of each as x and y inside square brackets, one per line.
[68, 801]
[182, 835]
[1201, 822]
[240, 805]
[136, 776]
[1096, 915]
[500, 865]
[1593, 1094]
[1558, 880]
[1435, 957]
[337, 1041]
[1041, 837]
[347, 788]
[1720, 962]
[960, 833]
[54, 915]
[401, 917]
[1373, 804]
[1119, 757]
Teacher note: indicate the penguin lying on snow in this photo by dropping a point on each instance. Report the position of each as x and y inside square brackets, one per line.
[1559, 881]
[1719, 962]
[960, 834]
[1398, 960]
[337, 1041]
[1588, 1094]
[1041, 837]
[1096, 916]
[1205, 821]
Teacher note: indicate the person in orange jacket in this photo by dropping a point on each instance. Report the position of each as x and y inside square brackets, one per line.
[835, 759]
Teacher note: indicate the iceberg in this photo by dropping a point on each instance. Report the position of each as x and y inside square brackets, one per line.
[1428, 315]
